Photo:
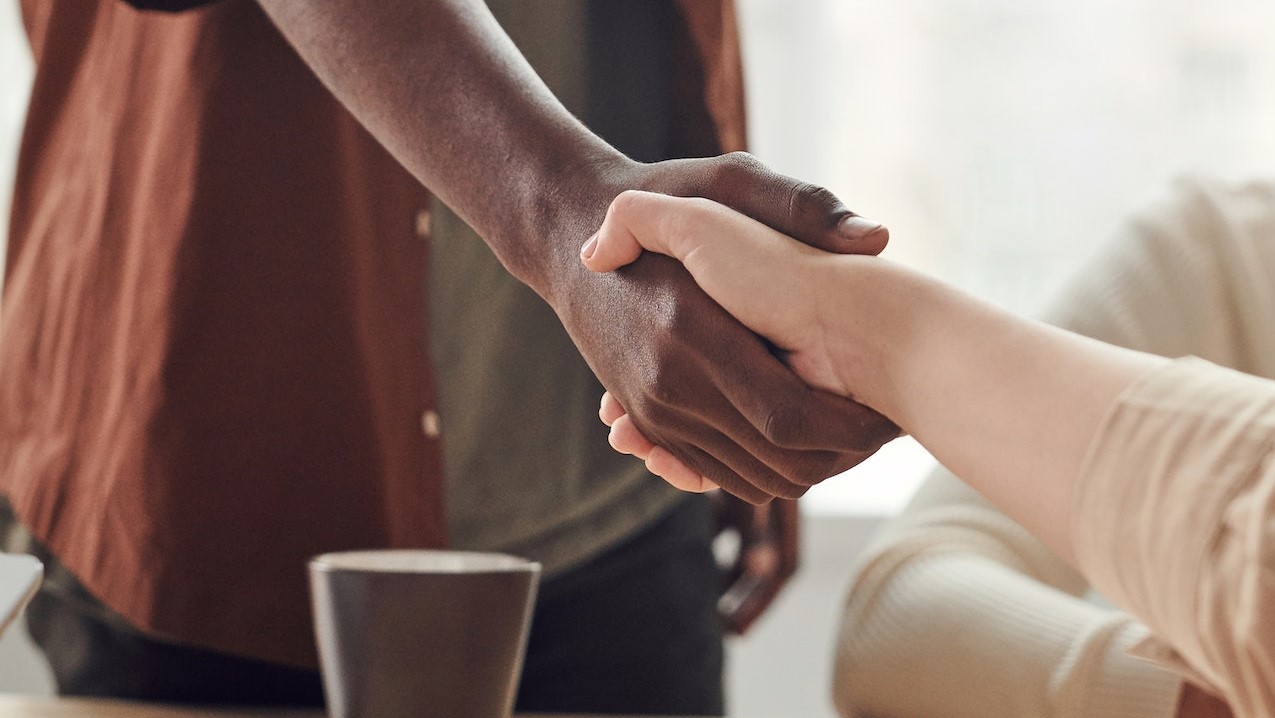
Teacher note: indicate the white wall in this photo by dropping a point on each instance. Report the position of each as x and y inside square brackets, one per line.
[1002, 140]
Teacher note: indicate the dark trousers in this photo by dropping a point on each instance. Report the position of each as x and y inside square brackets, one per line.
[632, 631]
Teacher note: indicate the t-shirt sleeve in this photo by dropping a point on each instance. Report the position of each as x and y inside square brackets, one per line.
[1175, 522]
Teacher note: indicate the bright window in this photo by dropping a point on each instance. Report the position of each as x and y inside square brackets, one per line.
[1002, 140]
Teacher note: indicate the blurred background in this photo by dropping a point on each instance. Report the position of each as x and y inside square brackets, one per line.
[1001, 141]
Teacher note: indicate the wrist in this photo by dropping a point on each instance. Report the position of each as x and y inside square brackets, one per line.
[562, 210]
[865, 326]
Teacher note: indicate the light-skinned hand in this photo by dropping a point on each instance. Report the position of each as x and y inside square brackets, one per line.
[739, 263]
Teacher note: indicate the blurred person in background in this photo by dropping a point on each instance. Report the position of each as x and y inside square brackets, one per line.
[955, 609]
[220, 356]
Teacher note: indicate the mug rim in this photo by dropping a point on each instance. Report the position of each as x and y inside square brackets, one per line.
[422, 562]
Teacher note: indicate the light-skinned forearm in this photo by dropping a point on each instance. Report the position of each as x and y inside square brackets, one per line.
[997, 398]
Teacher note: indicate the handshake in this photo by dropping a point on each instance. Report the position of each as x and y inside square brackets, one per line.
[1013, 407]
[995, 397]
[781, 289]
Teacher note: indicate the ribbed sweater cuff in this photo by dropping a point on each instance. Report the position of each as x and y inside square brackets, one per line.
[1126, 686]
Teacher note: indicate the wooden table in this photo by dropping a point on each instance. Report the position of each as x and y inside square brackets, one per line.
[12, 706]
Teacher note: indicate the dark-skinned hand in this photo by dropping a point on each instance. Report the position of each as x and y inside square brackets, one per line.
[767, 554]
[447, 93]
[693, 379]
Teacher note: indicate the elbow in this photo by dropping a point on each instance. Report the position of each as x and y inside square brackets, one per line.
[860, 651]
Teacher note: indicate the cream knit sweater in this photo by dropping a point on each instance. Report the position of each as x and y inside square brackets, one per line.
[957, 611]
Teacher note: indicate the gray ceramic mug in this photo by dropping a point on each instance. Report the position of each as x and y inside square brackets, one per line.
[421, 634]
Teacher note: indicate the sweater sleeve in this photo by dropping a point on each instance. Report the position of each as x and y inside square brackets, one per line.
[955, 610]
[1175, 521]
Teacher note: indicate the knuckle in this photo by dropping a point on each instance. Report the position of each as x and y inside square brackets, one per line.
[650, 426]
[679, 227]
[811, 201]
[734, 167]
[743, 160]
[684, 323]
[687, 230]
[625, 204]
[664, 392]
[665, 387]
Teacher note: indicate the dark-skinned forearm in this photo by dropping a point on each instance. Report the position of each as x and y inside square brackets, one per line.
[441, 85]
[445, 90]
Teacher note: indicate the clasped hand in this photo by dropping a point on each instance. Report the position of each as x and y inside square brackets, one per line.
[766, 280]
[691, 377]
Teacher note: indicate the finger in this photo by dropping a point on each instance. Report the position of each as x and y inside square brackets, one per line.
[762, 559]
[758, 275]
[732, 484]
[610, 409]
[673, 226]
[634, 222]
[665, 465]
[737, 387]
[789, 414]
[703, 464]
[611, 247]
[720, 459]
[808, 212]
[626, 439]
[808, 419]
[731, 463]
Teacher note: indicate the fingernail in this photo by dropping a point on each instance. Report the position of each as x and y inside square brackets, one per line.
[854, 227]
[589, 247]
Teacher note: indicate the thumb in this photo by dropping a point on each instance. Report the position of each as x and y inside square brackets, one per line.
[752, 271]
[634, 222]
[807, 212]
[817, 217]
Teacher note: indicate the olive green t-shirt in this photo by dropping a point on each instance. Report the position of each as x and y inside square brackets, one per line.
[527, 464]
